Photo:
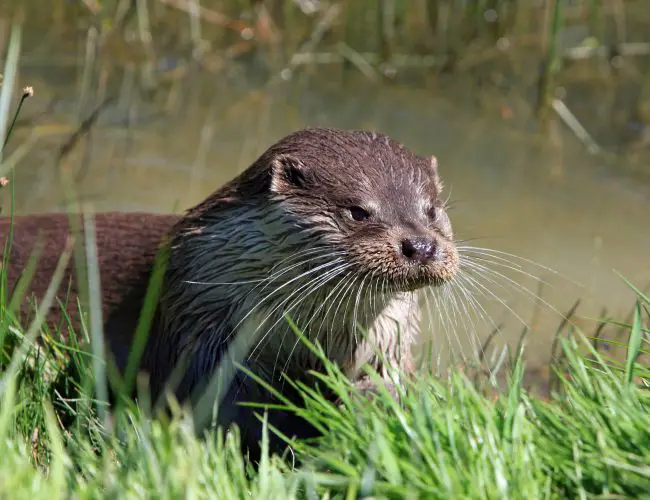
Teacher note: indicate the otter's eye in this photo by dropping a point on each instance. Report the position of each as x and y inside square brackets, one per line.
[432, 213]
[358, 213]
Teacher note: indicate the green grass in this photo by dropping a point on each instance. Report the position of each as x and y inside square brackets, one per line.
[446, 440]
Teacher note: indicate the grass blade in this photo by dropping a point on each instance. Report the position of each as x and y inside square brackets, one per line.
[9, 76]
[634, 344]
[96, 317]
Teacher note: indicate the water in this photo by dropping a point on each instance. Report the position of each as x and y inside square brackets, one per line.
[546, 201]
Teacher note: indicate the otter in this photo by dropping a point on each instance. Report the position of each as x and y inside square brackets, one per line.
[336, 229]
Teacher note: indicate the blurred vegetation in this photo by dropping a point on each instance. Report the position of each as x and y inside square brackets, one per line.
[580, 63]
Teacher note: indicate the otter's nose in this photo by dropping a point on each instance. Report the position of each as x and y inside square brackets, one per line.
[419, 249]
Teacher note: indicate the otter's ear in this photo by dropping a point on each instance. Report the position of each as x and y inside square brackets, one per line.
[288, 171]
[434, 172]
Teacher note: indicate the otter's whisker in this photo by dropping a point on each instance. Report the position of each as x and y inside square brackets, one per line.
[308, 288]
[372, 300]
[321, 280]
[425, 295]
[355, 311]
[259, 303]
[291, 353]
[336, 289]
[459, 281]
[324, 278]
[443, 315]
[456, 316]
[301, 263]
[452, 300]
[524, 291]
[478, 309]
[297, 341]
[294, 304]
[447, 297]
[302, 253]
[494, 253]
[341, 297]
[477, 285]
[491, 276]
[340, 287]
[326, 254]
[273, 276]
[507, 265]
[277, 290]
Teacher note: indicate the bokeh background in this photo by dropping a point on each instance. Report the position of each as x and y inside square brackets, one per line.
[539, 113]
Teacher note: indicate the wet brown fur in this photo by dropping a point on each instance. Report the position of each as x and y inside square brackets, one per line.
[297, 194]
[126, 245]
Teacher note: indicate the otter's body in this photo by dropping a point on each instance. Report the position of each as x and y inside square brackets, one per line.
[335, 229]
[126, 243]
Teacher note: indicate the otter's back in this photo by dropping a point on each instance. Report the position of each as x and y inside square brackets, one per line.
[126, 244]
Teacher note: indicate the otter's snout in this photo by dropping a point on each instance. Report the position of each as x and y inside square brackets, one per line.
[419, 249]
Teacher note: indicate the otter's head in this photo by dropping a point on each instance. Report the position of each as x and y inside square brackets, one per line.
[368, 198]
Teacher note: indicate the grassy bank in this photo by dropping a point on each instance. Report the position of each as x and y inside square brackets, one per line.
[448, 440]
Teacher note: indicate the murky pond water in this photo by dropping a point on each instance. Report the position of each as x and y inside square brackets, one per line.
[553, 205]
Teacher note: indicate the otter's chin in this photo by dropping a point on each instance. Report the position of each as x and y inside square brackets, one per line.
[418, 283]
[429, 276]
[398, 276]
